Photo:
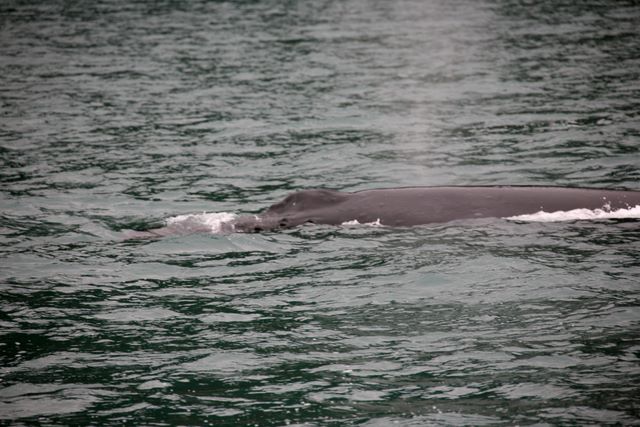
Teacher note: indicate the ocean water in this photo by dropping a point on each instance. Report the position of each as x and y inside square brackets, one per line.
[128, 115]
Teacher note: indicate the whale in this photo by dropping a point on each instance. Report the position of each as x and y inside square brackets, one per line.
[411, 206]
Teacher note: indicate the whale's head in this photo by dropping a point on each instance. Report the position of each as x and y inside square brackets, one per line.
[296, 209]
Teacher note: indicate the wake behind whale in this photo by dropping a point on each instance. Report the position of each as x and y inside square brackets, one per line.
[579, 215]
[401, 207]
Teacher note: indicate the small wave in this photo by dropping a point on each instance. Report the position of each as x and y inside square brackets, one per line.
[579, 214]
[211, 222]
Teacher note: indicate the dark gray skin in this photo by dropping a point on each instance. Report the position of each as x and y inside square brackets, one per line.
[401, 207]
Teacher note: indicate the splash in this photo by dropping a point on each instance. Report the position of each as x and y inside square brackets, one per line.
[210, 222]
[375, 223]
[579, 214]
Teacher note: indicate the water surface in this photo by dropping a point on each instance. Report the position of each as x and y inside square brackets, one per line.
[120, 115]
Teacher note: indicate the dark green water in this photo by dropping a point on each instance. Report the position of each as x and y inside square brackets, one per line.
[119, 115]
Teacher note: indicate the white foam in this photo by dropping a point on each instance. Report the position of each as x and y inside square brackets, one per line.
[579, 214]
[212, 222]
[375, 223]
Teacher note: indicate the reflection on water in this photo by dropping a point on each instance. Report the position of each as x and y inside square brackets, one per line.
[120, 115]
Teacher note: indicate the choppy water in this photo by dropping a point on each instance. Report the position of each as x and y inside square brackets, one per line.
[120, 115]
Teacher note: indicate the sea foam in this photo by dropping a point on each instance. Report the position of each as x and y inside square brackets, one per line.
[212, 222]
[375, 223]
